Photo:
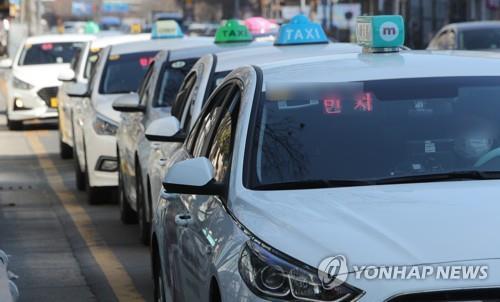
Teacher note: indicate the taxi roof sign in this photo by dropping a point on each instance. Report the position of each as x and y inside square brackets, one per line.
[166, 29]
[300, 30]
[381, 33]
[233, 31]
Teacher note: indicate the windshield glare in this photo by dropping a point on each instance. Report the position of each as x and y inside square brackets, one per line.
[124, 73]
[50, 53]
[376, 130]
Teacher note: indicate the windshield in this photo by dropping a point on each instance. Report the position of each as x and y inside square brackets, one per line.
[480, 39]
[124, 73]
[376, 130]
[170, 80]
[50, 53]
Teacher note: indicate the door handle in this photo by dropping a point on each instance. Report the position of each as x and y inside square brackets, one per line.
[162, 162]
[183, 220]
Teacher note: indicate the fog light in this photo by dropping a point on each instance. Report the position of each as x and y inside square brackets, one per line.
[18, 103]
[107, 164]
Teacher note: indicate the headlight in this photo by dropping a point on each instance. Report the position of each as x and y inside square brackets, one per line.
[19, 84]
[275, 278]
[103, 126]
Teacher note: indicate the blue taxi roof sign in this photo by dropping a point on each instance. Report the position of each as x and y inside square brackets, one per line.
[381, 33]
[300, 30]
[166, 29]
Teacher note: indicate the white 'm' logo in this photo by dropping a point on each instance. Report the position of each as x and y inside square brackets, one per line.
[389, 31]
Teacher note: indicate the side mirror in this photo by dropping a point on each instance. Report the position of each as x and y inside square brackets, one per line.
[76, 90]
[68, 75]
[6, 63]
[128, 103]
[192, 176]
[167, 129]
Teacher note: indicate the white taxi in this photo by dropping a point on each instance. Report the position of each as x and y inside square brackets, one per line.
[169, 132]
[119, 71]
[77, 78]
[33, 83]
[153, 101]
[359, 177]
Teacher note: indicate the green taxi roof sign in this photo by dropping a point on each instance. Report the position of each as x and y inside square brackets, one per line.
[381, 33]
[233, 31]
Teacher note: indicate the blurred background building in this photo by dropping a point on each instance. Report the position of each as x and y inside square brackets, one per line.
[423, 17]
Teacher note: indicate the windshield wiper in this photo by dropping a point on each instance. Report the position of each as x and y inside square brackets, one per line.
[313, 184]
[454, 175]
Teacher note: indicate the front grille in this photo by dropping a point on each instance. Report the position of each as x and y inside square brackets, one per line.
[47, 93]
[463, 295]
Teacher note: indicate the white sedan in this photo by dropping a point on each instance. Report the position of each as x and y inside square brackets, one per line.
[77, 77]
[303, 181]
[33, 83]
[119, 71]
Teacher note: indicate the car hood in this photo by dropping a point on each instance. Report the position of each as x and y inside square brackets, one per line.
[104, 106]
[378, 225]
[40, 75]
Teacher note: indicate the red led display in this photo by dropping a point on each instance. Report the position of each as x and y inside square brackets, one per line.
[47, 46]
[332, 106]
[364, 102]
[145, 61]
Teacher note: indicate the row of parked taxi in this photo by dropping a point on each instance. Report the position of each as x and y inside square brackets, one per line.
[248, 162]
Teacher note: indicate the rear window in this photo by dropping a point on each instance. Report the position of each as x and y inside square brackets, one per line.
[50, 53]
[124, 73]
[480, 39]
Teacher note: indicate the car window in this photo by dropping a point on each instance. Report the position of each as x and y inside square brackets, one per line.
[374, 130]
[144, 88]
[91, 63]
[183, 95]
[50, 53]
[480, 39]
[123, 73]
[169, 81]
[222, 143]
[207, 121]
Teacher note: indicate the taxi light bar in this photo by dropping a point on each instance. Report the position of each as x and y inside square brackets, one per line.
[300, 31]
[233, 31]
[166, 29]
[380, 33]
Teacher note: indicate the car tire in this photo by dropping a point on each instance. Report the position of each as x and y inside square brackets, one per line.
[144, 225]
[65, 150]
[79, 174]
[159, 290]
[127, 214]
[14, 125]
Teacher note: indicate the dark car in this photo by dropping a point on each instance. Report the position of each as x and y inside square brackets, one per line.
[483, 35]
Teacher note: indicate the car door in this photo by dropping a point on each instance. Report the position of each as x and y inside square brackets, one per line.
[193, 220]
[184, 221]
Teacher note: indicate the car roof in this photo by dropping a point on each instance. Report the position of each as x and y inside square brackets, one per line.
[105, 41]
[199, 51]
[59, 38]
[365, 67]
[158, 44]
[233, 59]
[474, 25]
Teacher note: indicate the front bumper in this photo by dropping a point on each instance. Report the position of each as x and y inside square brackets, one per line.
[33, 105]
[100, 153]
